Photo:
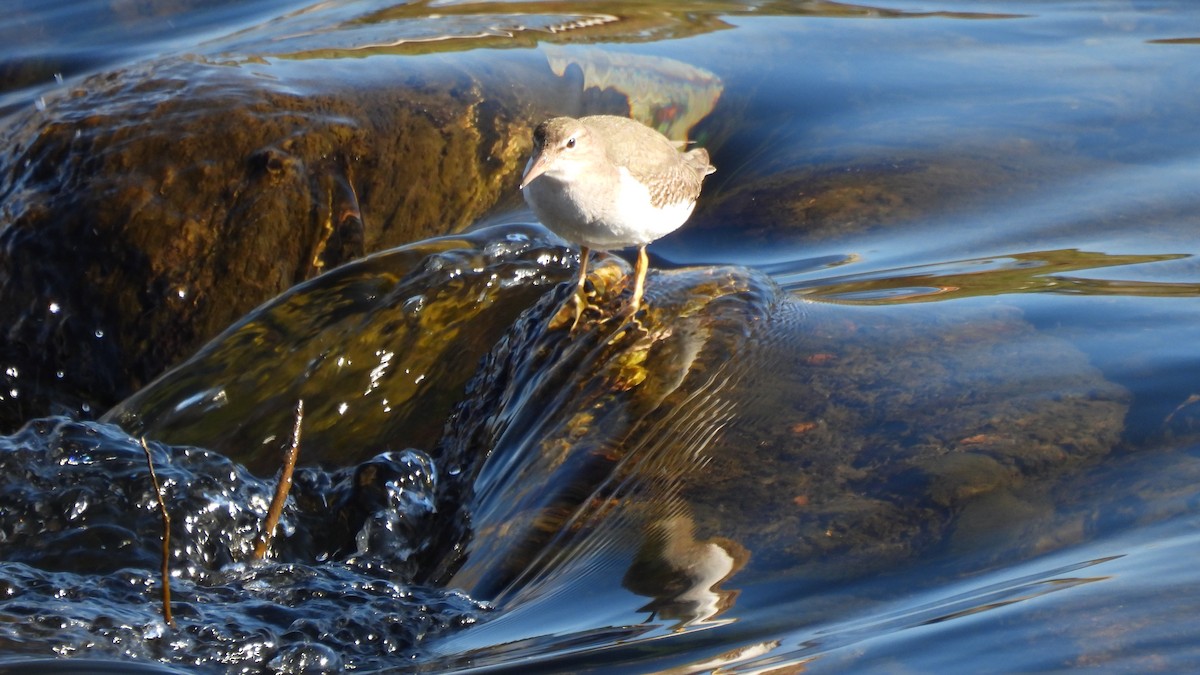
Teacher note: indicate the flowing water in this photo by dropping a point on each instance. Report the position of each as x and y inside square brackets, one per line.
[986, 213]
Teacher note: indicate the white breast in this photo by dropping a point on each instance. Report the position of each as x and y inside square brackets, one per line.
[634, 220]
[607, 215]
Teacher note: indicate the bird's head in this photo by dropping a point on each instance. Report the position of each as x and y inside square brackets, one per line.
[563, 148]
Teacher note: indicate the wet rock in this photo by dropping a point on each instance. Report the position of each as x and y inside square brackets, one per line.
[143, 212]
[878, 427]
[825, 440]
[832, 439]
[795, 198]
[379, 350]
[728, 433]
[566, 425]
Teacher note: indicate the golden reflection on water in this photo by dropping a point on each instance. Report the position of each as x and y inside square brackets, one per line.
[1033, 272]
[331, 30]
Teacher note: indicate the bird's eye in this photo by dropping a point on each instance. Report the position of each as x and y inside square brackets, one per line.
[571, 142]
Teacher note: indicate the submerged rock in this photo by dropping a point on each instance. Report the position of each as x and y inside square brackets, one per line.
[833, 439]
[810, 440]
[378, 350]
[728, 433]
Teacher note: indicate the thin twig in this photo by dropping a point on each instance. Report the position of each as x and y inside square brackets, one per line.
[282, 489]
[166, 539]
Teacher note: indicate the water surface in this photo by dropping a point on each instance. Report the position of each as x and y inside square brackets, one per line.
[917, 162]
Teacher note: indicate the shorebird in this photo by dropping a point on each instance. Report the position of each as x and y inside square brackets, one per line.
[606, 182]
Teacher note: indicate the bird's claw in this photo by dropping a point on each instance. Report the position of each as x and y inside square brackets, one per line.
[572, 309]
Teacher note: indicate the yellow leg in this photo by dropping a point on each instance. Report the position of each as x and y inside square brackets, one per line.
[581, 286]
[583, 263]
[639, 283]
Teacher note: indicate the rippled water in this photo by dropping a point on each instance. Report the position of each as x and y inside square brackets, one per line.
[905, 166]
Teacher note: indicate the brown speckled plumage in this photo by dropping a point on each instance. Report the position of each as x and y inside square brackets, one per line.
[609, 182]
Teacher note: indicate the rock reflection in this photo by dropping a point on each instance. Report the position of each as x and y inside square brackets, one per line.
[666, 94]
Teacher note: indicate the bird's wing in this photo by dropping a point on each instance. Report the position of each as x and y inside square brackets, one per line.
[652, 158]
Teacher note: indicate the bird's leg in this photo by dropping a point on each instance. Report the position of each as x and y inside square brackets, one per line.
[639, 282]
[574, 305]
[581, 286]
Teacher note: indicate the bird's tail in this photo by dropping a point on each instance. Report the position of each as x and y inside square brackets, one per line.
[697, 159]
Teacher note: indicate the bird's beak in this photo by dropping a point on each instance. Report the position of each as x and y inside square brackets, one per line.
[536, 167]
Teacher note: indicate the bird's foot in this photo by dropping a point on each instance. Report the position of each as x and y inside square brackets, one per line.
[592, 302]
[635, 312]
[569, 313]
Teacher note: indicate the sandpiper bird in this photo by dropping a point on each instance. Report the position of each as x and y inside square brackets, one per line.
[607, 182]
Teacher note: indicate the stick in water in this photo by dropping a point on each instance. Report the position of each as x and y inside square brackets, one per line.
[281, 490]
[166, 539]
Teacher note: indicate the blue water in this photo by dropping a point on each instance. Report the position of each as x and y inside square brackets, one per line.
[1042, 157]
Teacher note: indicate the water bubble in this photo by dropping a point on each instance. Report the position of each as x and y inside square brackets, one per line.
[414, 305]
[78, 508]
[398, 490]
[305, 658]
[154, 630]
[234, 614]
